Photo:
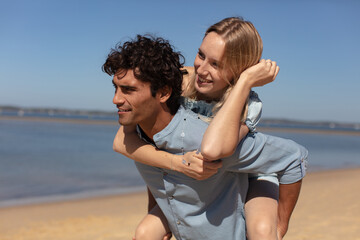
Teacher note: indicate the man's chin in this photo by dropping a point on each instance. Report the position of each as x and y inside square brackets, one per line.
[124, 123]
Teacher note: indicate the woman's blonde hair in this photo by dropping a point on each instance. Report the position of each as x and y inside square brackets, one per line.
[243, 49]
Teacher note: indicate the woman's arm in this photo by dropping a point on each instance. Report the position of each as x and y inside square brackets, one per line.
[226, 125]
[128, 143]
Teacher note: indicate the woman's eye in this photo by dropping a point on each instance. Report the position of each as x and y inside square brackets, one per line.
[215, 64]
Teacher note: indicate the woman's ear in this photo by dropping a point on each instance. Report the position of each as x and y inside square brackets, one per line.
[164, 94]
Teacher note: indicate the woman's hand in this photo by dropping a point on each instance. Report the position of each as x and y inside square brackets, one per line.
[260, 74]
[194, 165]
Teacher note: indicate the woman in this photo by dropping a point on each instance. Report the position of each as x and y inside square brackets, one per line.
[219, 68]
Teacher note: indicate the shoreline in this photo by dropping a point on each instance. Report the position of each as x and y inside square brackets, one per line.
[28, 201]
[327, 209]
[114, 122]
[60, 120]
[103, 193]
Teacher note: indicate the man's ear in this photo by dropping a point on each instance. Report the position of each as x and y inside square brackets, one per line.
[164, 94]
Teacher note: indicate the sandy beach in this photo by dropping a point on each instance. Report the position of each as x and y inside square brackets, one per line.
[328, 208]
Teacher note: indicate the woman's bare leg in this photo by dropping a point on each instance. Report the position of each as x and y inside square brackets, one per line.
[261, 210]
[153, 226]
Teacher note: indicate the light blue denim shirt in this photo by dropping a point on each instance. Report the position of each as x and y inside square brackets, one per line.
[214, 208]
[253, 114]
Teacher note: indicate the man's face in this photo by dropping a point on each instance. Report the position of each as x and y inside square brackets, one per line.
[133, 100]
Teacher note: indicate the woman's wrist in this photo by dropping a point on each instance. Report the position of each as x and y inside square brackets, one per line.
[242, 87]
[244, 82]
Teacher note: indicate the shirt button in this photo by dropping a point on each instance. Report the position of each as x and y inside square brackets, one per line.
[171, 198]
[178, 222]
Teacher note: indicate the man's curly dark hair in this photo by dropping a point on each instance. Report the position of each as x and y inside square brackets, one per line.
[152, 60]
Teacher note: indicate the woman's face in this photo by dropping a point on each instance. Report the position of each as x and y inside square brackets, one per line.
[209, 82]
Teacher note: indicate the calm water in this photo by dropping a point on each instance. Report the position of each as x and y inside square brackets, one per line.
[44, 161]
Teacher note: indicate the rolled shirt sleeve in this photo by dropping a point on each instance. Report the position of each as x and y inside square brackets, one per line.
[254, 111]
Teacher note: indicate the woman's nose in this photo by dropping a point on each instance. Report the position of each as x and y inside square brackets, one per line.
[202, 69]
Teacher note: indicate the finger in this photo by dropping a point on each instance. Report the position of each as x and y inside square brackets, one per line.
[269, 64]
[213, 165]
[268, 60]
[167, 237]
[208, 173]
[273, 68]
[262, 61]
[198, 155]
[276, 71]
[203, 177]
[206, 160]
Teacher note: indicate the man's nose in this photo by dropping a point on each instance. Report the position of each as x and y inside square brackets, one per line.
[118, 98]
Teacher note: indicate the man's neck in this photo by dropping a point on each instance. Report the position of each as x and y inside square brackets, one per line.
[158, 124]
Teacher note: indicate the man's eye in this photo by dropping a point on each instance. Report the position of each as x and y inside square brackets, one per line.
[201, 55]
[127, 89]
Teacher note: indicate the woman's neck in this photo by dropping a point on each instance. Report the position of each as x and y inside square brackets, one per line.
[207, 98]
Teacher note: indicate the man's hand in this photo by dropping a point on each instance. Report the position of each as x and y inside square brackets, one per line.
[260, 74]
[288, 196]
[281, 232]
[167, 236]
[194, 165]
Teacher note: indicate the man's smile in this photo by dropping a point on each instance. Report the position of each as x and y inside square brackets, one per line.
[123, 110]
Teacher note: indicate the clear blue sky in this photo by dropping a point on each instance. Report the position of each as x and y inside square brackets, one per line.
[51, 52]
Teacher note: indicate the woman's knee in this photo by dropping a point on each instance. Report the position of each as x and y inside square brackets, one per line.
[263, 229]
[142, 232]
[151, 227]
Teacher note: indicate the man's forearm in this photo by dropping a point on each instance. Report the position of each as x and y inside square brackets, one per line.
[288, 196]
[151, 200]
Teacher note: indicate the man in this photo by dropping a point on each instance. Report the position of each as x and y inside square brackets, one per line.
[147, 79]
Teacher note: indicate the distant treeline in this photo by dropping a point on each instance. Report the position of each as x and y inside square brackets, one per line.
[264, 121]
[311, 124]
[56, 111]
